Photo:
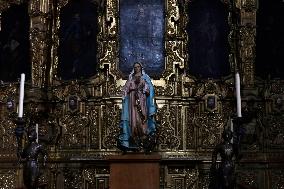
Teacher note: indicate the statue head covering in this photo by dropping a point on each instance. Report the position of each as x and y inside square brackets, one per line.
[132, 72]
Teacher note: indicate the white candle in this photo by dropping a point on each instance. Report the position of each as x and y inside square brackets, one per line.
[37, 133]
[238, 94]
[21, 99]
[232, 128]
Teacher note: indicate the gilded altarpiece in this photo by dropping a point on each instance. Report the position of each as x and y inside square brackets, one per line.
[192, 112]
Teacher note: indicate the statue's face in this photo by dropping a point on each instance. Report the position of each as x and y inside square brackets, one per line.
[137, 68]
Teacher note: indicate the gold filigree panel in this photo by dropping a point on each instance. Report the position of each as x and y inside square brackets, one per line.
[190, 130]
[274, 131]
[175, 114]
[7, 137]
[8, 100]
[93, 178]
[168, 134]
[94, 113]
[85, 178]
[277, 179]
[7, 178]
[204, 179]
[73, 123]
[210, 127]
[74, 130]
[273, 93]
[110, 127]
[274, 117]
[248, 178]
[182, 177]
[73, 177]
[8, 107]
[167, 90]
[249, 5]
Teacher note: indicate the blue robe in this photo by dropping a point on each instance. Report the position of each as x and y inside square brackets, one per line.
[125, 120]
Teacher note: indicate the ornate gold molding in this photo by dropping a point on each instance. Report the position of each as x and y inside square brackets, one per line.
[40, 30]
[247, 34]
[188, 129]
[174, 45]
[7, 118]
[102, 36]
[174, 40]
[109, 44]
[8, 178]
[181, 177]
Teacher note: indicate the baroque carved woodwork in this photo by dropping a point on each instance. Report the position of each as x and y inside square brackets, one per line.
[192, 113]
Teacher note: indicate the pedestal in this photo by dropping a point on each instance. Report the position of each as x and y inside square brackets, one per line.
[134, 171]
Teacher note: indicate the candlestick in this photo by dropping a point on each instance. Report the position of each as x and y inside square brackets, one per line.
[21, 98]
[37, 133]
[238, 94]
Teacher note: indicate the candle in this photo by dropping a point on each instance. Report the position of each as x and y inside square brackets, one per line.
[232, 128]
[238, 94]
[37, 133]
[21, 99]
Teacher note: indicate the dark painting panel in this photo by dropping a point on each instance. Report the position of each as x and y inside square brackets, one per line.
[14, 44]
[208, 31]
[78, 40]
[270, 39]
[142, 35]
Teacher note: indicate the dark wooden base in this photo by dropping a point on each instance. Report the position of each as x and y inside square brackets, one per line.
[134, 171]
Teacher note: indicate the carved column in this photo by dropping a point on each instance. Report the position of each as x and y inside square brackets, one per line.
[108, 38]
[39, 12]
[174, 41]
[247, 40]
